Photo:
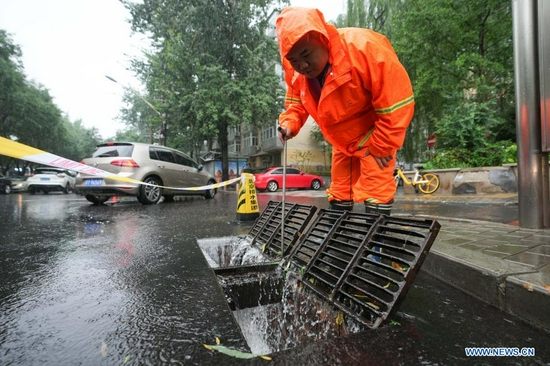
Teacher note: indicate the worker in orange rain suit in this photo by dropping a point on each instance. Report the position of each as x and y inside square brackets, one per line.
[352, 84]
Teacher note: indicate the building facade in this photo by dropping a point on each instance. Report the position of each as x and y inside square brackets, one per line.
[262, 148]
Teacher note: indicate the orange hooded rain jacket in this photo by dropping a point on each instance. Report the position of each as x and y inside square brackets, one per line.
[366, 102]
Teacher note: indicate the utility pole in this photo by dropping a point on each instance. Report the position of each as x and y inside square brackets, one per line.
[530, 51]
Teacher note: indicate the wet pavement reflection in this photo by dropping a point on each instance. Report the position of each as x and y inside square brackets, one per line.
[127, 284]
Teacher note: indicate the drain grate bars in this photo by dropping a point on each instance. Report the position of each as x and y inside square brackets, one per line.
[328, 224]
[266, 231]
[264, 227]
[363, 263]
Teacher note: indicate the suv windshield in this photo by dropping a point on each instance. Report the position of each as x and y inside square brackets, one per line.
[114, 150]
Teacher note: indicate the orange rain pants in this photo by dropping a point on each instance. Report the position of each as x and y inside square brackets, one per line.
[358, 178]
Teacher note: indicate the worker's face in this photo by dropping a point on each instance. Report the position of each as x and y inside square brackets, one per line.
[309, 55]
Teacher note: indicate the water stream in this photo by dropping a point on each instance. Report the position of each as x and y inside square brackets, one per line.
[230, 251]
[274, 311]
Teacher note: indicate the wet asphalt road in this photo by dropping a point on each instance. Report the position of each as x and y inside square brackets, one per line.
[127, 284]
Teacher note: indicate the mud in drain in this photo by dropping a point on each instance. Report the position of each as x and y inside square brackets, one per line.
[340, 273]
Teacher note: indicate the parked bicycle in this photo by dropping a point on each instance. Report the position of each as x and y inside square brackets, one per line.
[426, 183]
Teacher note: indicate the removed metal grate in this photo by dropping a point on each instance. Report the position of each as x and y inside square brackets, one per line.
[362, 263]
[266, 232]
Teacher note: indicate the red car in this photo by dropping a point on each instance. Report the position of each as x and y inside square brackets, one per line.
[271, 179]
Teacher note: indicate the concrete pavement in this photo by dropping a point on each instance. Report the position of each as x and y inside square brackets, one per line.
[501, 264]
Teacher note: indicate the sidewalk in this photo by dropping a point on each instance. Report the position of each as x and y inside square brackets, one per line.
[504, 265]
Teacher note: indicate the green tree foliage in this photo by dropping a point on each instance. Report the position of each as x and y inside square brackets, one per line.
[212, 67]
[355, 16]
[83, 141]
[302, 159]
[143, 122]
[29, 115]
[317, 135]
[460, 57]
[372, 14]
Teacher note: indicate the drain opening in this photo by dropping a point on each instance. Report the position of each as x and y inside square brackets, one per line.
[342, 273]
[275, 312]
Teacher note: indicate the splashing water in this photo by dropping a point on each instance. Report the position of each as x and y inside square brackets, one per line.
[274, 310]
[299, 318]
[230, 251]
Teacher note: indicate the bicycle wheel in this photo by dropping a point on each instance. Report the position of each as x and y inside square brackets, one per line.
[431, 186]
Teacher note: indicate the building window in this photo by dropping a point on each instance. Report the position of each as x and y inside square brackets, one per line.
[269, 133]
[235, 146]
[235, 130]
[250, 140]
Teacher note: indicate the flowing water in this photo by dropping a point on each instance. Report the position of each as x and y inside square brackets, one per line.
[230, 251]
[300, 318]
[274, 311]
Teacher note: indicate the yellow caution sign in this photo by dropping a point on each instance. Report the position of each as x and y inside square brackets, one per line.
[247, 202]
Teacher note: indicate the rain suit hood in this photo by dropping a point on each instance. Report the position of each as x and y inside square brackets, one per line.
[295, 22]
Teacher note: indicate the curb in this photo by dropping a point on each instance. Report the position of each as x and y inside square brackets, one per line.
[510, 285]
[511, 292]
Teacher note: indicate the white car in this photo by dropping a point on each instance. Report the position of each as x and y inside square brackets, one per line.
[47, 179]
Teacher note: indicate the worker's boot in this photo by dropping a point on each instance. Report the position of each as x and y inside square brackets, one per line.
[378, 209]
[341, 205]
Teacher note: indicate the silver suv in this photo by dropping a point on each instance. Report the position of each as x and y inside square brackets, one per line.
[157, 165]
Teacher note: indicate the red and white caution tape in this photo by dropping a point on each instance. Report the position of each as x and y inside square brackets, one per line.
[21, 151]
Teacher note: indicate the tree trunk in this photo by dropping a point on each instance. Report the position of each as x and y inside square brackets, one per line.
[222, 140]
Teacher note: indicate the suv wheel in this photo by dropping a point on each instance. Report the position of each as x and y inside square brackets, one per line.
[66, 189]
[210, 193]
[96, 200]
[150, 195]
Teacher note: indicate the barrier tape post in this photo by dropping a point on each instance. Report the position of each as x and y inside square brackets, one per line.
[247, 201]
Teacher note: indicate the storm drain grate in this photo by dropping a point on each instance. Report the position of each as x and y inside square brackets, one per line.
[362, 263]
[266, 232]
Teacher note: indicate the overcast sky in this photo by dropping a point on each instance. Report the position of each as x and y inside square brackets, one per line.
[70, 45]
